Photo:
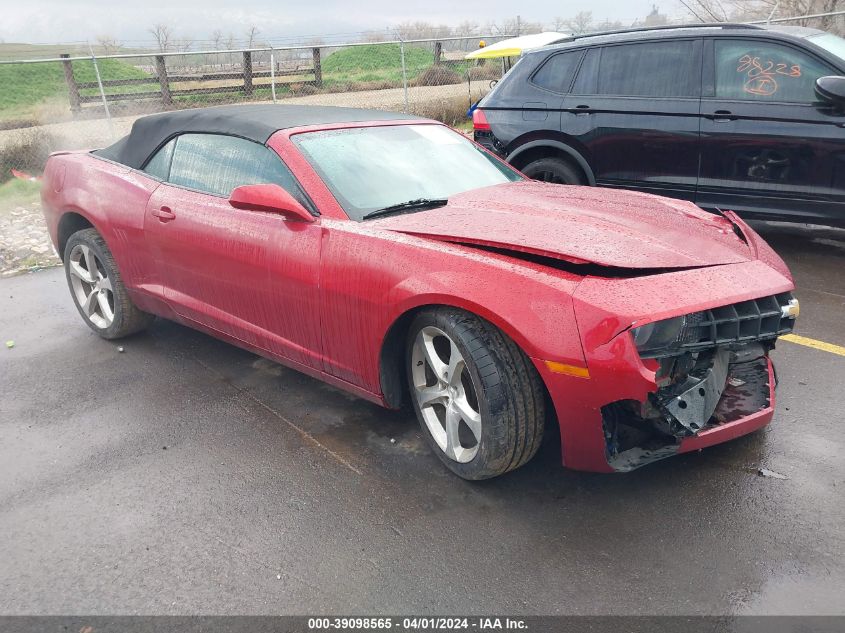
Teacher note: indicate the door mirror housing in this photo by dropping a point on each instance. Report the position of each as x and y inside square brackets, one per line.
[831, 90]
[272, 198]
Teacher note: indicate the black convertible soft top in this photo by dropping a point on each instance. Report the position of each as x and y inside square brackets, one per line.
[254, 122]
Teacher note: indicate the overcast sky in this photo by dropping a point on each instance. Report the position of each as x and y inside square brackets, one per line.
[54, 21]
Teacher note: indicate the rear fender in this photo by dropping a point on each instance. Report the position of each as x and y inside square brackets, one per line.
[558, 146]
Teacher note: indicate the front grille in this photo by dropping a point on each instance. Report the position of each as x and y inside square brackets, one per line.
[756, 320]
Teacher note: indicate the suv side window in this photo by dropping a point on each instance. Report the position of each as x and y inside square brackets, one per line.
[216, 164]
[650, 69]
[557, 72]
[754, 70]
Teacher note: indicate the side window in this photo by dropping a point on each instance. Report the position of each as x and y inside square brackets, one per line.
[753, 70]
[159, 164]
[585, 83]
[557, 72]
[651, 69]
[217, 164]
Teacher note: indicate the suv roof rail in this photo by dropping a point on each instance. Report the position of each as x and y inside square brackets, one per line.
[663, 27]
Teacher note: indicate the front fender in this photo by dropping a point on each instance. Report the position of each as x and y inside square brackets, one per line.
[371, 278]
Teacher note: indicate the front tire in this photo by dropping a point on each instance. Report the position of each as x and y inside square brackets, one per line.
[97, 288]
[555, 170]
[478, 398]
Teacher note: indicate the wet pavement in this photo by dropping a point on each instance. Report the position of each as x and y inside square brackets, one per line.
[184, 475]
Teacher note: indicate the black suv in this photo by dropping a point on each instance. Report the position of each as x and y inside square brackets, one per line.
[729, 116]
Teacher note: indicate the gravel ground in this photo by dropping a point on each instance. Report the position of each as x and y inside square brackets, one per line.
[24, 242]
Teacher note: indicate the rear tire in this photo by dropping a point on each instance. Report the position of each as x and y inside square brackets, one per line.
[97, 288]
[477, 396]
[554, 170]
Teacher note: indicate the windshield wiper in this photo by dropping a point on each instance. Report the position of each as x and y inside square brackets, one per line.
[410, 205]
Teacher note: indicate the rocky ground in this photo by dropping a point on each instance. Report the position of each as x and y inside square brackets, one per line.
[24, 242]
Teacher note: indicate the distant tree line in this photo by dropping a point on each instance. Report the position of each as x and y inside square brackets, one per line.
[166, 41]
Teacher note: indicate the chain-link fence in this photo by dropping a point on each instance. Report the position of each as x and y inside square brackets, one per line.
[74, 102]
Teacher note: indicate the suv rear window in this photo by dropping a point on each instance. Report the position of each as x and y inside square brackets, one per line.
[650, 69]
[557, 72]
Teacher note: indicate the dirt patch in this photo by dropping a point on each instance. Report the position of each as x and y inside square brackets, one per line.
[24, 242]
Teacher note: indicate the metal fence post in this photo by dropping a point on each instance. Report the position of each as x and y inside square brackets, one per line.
[273, 74]
[102, 92]
[248, 73]
[161, 71]
[404, 72]
[318, 67]
[72, 88]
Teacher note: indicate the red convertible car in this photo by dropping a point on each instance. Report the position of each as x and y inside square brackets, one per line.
[392, 257]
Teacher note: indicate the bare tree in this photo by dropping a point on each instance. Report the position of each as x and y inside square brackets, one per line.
[749, 10]
[163, 36]
[183, 44]
[467, 28]
[251, 35]
[559, 24]
[581, 23]
[108, 44]
[608, 25]
[217, 39]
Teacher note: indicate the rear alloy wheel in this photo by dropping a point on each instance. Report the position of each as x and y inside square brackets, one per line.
[98, 290]
[476, 395]
[554, 170]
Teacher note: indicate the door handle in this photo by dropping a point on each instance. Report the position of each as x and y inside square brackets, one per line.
[721, 116]
[582, 109]
[164, 214]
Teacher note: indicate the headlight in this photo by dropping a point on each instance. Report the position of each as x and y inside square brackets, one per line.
[653, 338]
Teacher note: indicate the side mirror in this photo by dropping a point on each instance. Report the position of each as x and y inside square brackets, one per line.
[272, 198]
[831, 90]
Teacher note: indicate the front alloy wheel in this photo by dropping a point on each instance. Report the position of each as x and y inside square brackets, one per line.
[445, 394]
[477, 396]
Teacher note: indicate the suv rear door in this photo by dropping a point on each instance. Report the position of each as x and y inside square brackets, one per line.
[634, 111]
[767, 143]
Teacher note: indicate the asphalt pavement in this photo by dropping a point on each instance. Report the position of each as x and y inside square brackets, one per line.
[184, 475]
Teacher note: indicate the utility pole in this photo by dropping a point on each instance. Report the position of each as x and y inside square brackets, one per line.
[518, 20]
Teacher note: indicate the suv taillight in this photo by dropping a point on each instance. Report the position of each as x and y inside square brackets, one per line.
[479, 121]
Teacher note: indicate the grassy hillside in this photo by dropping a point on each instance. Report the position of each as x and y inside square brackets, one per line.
[25, 86]
[375, 62]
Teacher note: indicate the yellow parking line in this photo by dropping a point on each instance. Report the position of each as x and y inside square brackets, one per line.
[811, 342]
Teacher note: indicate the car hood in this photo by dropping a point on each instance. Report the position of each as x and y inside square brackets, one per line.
[581, 225]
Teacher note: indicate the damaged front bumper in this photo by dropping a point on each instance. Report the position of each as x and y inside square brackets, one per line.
[729, 393]
[629, 409]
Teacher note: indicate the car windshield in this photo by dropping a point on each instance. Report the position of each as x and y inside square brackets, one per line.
[370, 168]
[831, 43]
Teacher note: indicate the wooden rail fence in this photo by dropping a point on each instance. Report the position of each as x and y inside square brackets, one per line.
[242, 82]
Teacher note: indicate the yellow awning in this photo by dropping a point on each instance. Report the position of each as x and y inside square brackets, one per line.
[515, 46]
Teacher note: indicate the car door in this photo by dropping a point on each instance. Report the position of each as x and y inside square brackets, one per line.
[768, 145]
[634, 110]
[251, 275]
